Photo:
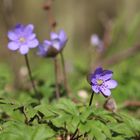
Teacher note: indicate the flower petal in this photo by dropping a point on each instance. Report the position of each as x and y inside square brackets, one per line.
[12, 36]
[105, 91]
[107, 76]
[93, 81]
[95, 89]
[111, 84]
[29, 28]
[43, 49]
[98, 71]
[95, 40]
[13, 46]
[53, 35]
[47, 43]
[31, 36]
[18, 29]
[62, 36]
[23, 49]
[107, 72]
[33, 43]
[56, 44]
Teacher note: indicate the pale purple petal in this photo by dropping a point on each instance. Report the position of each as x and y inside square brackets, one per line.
[111, 84]
[105, 91]
[106, 76]
[23, 49]
[96, 74]
[42, 50]
[12, 35]
[54, 35]
[95, 40]
[19, 29]
[56, 44]
[95, 89]
[62, 36]
[29, 28]
[33, 43]
[13, 46]
[47, 43]
[31, 36]
[93, 80]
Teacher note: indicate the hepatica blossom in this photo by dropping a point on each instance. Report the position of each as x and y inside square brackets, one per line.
[97, 42]
[101, 81]
[22, 38]
[50, 48]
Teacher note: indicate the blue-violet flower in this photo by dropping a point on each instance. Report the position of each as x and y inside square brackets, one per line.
[97, 42]
[50, 48]
[22, 38]
[101, 81]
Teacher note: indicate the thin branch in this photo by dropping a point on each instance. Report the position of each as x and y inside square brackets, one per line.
[116, 58]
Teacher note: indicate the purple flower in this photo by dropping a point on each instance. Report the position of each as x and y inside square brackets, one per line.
[97, 42]
[101, 81]
[22, 38]
[50, 48]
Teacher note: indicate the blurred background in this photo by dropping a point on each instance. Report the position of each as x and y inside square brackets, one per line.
[116, 24]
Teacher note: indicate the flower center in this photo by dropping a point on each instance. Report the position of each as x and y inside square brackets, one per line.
[22, 39]
[99, 82]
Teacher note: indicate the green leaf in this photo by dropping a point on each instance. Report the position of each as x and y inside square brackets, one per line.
[123, 129]
[67, 106]
[85, 114]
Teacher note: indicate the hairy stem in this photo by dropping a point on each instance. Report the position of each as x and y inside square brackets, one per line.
[56, 78]
[64, 73]
[30, 74]
[91, 98]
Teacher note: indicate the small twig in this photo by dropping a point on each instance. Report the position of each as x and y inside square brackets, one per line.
[51, 19]
[132, 104]
[116, 58]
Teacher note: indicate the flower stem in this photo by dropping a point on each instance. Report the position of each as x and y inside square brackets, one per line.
[56, 78]
[91, 98]
[64, 73]
[30, 74]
